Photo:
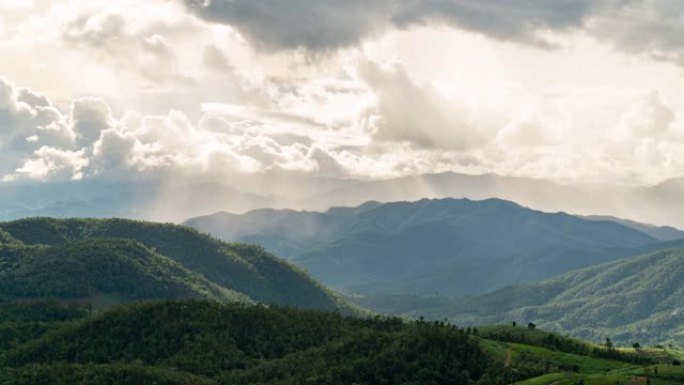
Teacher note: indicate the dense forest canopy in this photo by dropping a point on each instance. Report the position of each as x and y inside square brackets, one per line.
[199, 342]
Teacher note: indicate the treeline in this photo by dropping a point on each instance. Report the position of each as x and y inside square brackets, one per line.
[567, 345]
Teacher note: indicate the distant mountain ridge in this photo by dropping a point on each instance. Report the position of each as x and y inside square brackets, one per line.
[449, 246]
[154, 200]
[179, 199]
[74, 258]
[658, 204]
[663, 233]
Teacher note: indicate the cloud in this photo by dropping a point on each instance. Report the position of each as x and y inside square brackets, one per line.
[653, 27]
[650, 27]
[152, 55]
[10, 5]
[38, 141]
[89, 117]
[28, 122]
[231, 141]
[112, 152]
[121, 37]
[98, 29]
[540, 123]
[231, 88]
[500, 19]
[649, 117]
[328, 24]
[135, 145]
[51, 163]
[311, 24]
[416, 113]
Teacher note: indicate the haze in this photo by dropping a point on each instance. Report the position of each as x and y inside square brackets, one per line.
[563, 105]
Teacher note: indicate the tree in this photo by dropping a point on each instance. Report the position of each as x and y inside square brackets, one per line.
[609, 343]
[531, 326]
[636, 345]
[515, 324]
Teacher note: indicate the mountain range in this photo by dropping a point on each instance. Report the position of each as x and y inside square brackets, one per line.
[177, 200]
[446, 246]
[158, 200]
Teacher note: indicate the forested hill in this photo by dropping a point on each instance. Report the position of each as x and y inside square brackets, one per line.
[639, 299]
[450, 246]
[81, 259]
[198, 342]
[99, 270]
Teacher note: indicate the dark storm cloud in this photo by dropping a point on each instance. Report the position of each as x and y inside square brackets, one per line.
[329, 24]
[654, 27]
[313, 24]
[501, 19]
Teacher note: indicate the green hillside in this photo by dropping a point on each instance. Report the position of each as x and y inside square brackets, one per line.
[419, 247]
[119, 260]
[84, 269]
[639, 299]
[193, 342]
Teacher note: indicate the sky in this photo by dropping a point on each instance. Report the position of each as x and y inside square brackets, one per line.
[574, 91]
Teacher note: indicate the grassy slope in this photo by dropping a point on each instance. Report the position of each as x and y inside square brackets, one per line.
[590, 369]
[666, 375]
